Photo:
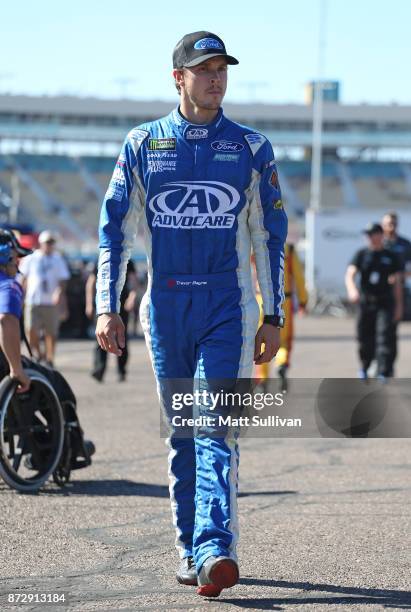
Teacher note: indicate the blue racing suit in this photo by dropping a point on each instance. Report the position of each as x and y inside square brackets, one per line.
[205, 195]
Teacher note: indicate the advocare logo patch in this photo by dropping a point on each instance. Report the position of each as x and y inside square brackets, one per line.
[194, 205]
[195, 133]
[226, 146]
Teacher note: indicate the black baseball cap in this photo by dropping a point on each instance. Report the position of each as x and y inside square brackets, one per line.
[198, 47]
[373, 228]
[9, 238]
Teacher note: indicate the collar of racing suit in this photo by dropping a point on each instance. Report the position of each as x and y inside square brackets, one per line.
[195, 131]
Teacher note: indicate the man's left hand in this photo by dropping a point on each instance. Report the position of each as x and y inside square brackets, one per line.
[270, 337]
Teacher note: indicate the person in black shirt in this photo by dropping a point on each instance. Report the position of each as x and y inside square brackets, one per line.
[396, 243]
[402, 248]
[127, 300]
[380, 301]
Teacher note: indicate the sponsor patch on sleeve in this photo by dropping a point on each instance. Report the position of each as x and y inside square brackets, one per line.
[255, 141]
[138, 135]
[117, 186]
[274, 179]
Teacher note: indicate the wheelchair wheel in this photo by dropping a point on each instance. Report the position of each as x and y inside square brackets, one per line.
[31, 433]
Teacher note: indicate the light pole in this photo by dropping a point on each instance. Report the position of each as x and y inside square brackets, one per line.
[252, 87]
[124, 86]
[316, 158]
[15, 199]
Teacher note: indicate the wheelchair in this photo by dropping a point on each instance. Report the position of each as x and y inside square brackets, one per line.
[40, 434]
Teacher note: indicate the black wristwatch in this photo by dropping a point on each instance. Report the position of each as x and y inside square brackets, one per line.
[274, 320]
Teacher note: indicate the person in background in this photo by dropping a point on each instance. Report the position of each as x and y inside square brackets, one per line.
[136, 330]
[396, 243]
[402, 248]
[294, 287]
[45, 274]
[127, 302]
[11, 305]
[380, 301]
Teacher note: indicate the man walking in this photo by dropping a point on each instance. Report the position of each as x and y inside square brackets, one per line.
[396, 243]
[127, 301]
[203, 186]
[380, 300]
[45, 274]
[402, 248]
[294, 290]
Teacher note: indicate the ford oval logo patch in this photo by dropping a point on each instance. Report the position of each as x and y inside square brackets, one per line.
[226, 146]
[208, 43]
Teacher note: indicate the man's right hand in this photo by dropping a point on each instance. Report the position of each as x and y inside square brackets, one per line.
[110, 333]
[22, 379]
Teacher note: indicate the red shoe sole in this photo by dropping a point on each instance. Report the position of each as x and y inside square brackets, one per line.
[223, 576]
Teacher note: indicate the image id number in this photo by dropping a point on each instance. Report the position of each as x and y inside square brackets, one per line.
[23, 598]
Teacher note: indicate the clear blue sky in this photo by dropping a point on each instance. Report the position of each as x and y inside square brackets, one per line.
[84, 47]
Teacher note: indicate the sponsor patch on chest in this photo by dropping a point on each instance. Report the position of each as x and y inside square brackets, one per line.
[226, 157]
[227, 146]
[161, 144]
[194, 205]
[161, 165]
[196, 133]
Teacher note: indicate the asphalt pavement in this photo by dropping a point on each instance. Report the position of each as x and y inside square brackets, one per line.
[324, 522]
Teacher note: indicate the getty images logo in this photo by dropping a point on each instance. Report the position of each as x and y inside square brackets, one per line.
[194, 205]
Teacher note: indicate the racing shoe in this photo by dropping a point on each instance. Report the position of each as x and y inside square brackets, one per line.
[187, 573]
[217, 573]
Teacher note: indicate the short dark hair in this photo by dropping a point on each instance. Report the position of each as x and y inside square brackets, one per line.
[392, 214]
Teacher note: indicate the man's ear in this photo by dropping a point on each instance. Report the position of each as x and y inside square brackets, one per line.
[178, 76]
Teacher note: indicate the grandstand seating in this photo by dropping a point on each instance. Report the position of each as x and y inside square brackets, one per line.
[65, 193]
[382, 185]
[33, 209]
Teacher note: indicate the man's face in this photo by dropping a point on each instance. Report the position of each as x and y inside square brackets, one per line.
[375, 240]
[47, 247]
[389, 225]
[11, 267]
[204, 85]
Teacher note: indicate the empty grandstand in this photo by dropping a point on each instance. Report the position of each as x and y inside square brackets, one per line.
[57, 156]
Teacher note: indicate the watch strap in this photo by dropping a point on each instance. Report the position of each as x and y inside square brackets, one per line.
[274, 320]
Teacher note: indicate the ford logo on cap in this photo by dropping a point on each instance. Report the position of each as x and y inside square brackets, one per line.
[208, 43]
